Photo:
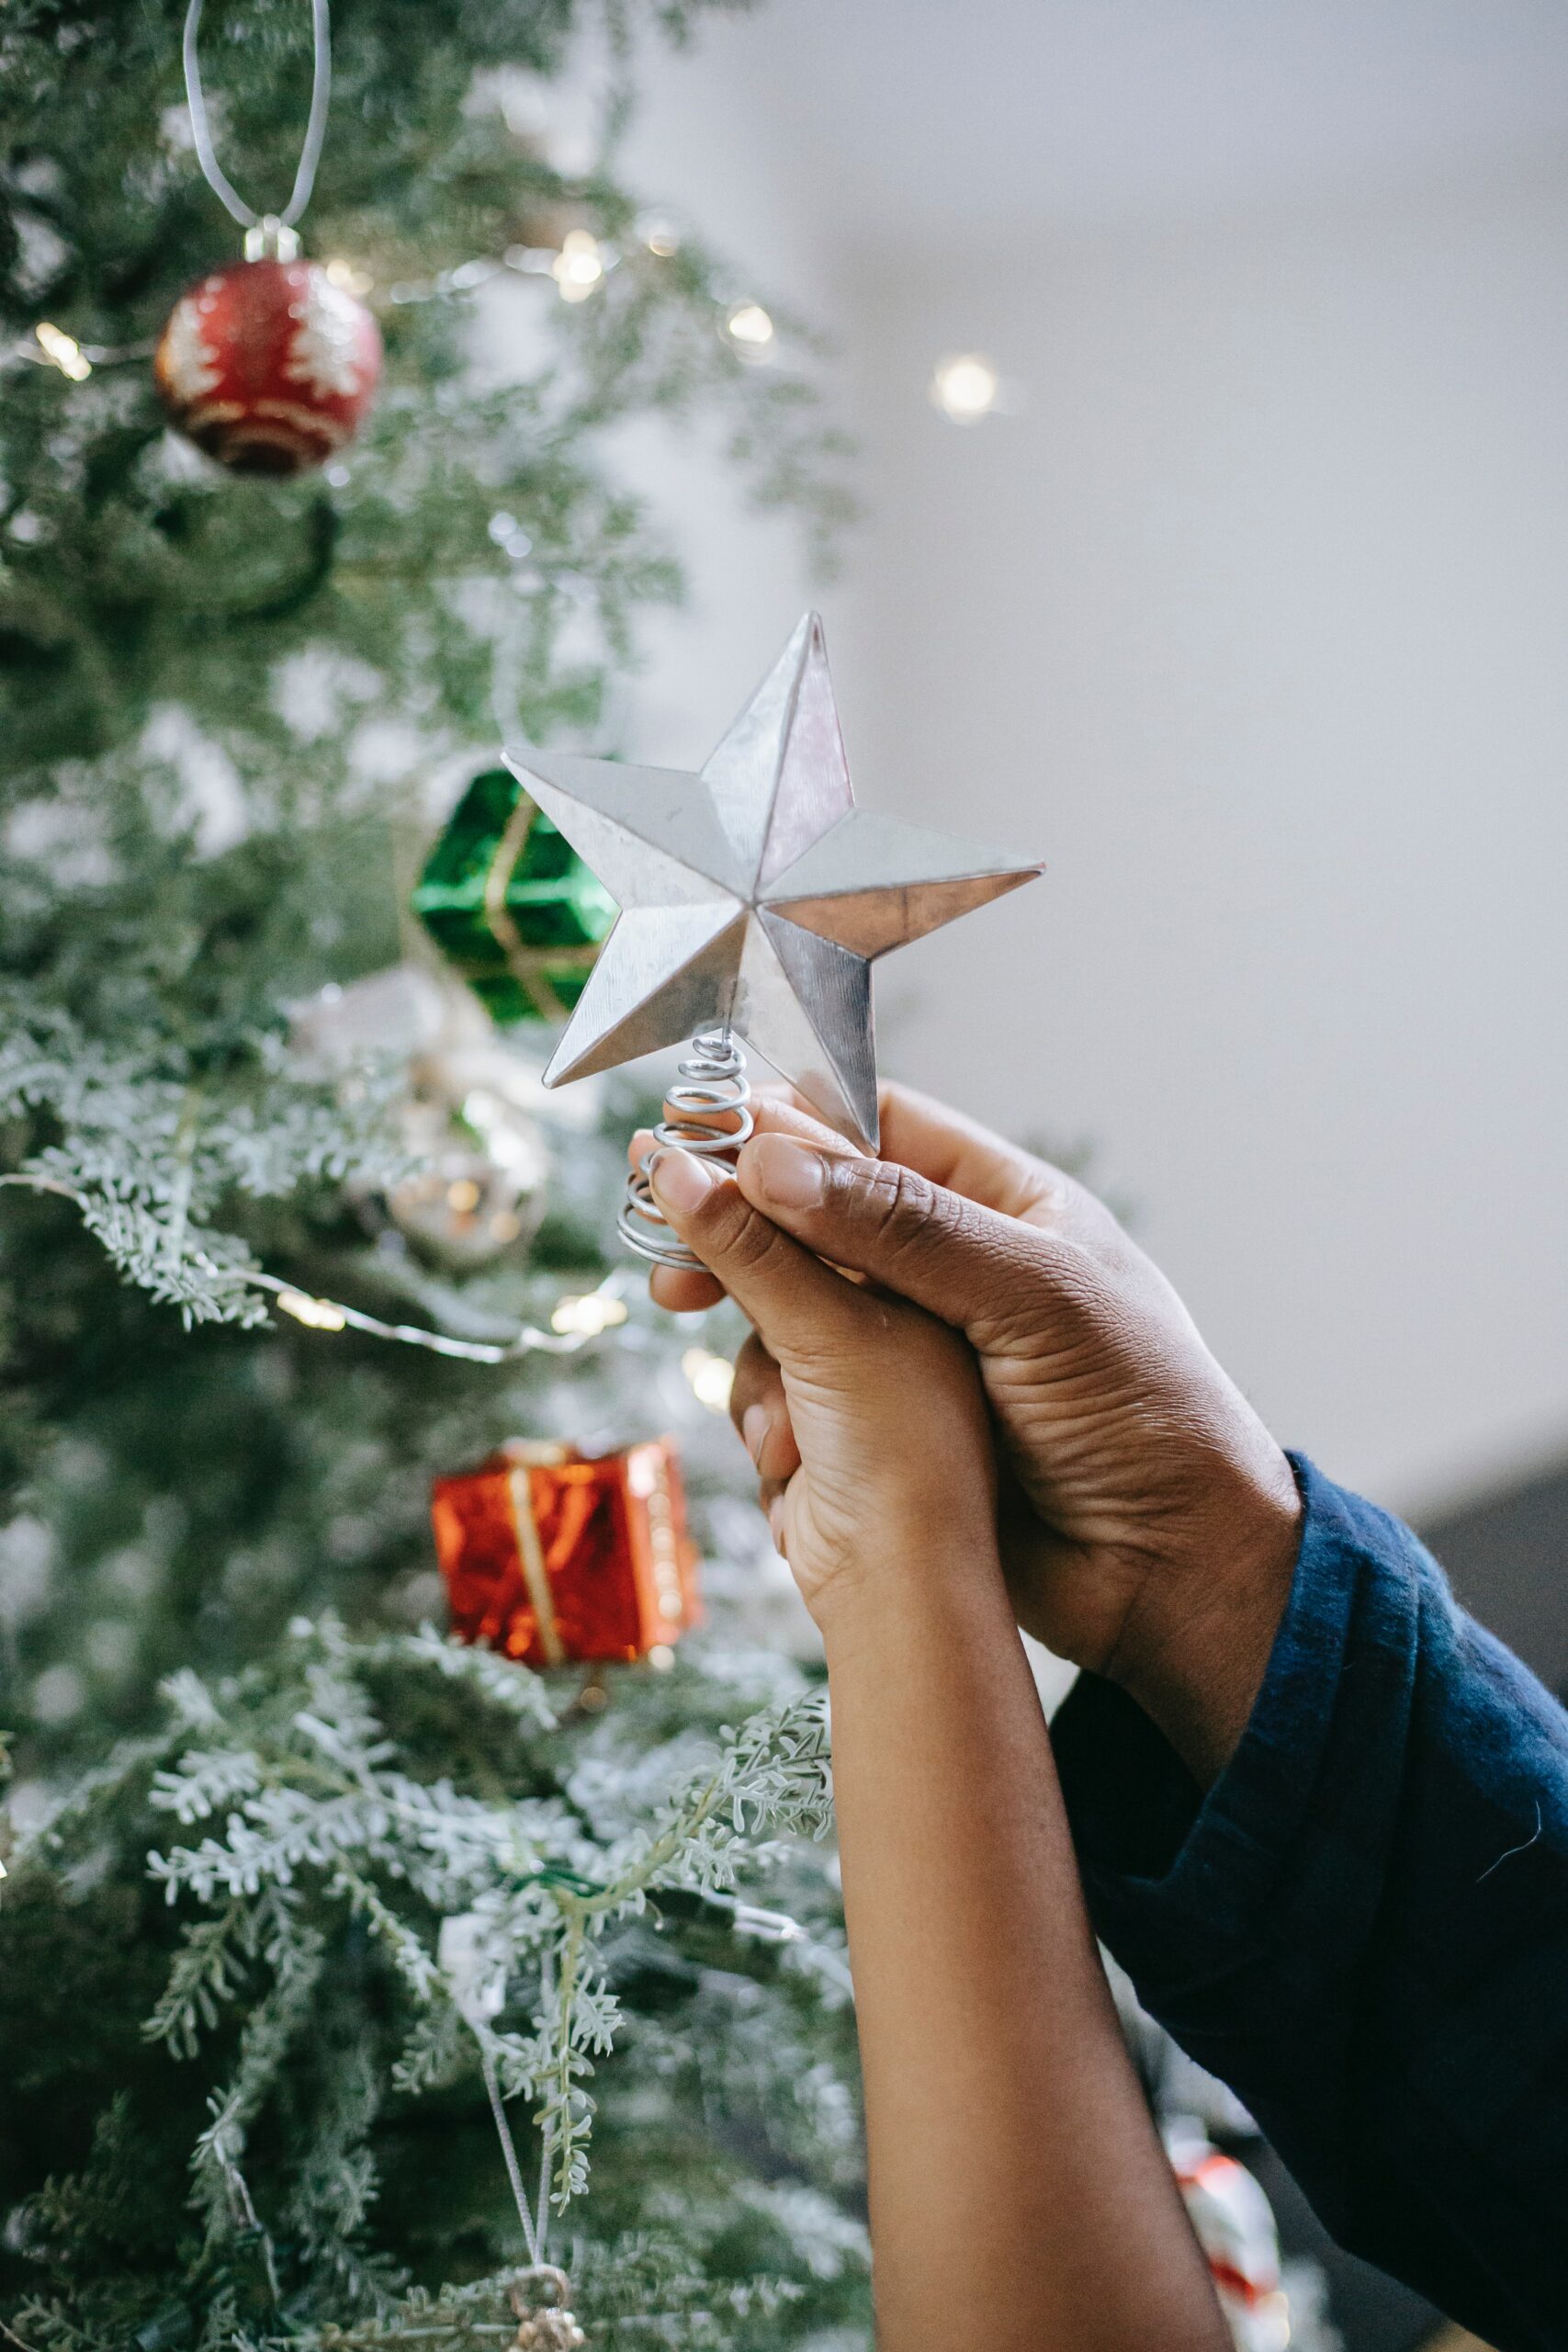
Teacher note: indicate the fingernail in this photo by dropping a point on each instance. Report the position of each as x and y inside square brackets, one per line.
[681, 1181]
[754, 1430]
[787, 1172]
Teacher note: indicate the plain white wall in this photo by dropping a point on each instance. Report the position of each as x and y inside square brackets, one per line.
[1254, 626]
[1253, 623]
[701, 146]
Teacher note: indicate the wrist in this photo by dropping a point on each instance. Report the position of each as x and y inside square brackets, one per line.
[1194, 1651]
[941, 1567]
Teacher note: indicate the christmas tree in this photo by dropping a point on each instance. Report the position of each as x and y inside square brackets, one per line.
[352, 1978]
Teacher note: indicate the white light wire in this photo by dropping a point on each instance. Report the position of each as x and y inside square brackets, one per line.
[530, 1340]
[212, 170]
[334, 1315]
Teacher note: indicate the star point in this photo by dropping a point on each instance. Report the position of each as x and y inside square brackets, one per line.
[756, 895]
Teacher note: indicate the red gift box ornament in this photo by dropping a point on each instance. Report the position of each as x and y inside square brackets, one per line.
[552, 1555]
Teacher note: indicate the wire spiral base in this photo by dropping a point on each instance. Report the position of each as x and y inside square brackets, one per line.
[707, 1110]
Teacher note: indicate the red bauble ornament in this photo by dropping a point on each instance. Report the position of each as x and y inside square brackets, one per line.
[553, 1555]
[1233, 2225]
[269, 366]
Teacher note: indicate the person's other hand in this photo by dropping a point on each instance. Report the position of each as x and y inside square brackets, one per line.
[877, 1433]
[1149, 1522]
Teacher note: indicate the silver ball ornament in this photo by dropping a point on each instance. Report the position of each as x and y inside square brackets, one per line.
[539, 2297]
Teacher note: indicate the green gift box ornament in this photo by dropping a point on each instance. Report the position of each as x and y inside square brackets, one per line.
[511, 905]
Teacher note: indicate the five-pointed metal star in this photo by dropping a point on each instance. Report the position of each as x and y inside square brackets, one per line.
[755, 895]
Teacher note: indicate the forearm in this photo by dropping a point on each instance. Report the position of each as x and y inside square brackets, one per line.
[1018, 2193]
[1363, 1926]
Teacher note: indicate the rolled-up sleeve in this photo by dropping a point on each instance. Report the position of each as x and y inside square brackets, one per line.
[1362, 1928]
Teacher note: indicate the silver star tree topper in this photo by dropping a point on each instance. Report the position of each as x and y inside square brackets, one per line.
[755, 896]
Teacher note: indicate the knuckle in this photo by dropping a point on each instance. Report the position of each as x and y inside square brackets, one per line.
[895, 1201]
[1059, 1299]
[744, 1240]
[913, 1217]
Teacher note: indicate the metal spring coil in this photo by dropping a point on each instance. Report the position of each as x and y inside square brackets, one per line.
[707, 1112]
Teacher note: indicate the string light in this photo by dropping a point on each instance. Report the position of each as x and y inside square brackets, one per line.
[63, 351]
[579, 267]
[316, 1314]
[750, 329]
[350, 276]
[965, 386]
[329, 1315]
[712, 1378]
[50, 346]
[595, 1312]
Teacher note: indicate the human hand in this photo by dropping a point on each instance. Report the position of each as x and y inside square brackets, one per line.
[1149, 1522]
[876, 1432]
[1001, 2108]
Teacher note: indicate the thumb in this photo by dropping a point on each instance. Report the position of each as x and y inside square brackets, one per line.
[956, 1259]
[807, 1316]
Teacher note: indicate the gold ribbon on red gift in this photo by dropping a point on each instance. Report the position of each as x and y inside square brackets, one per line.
[530, 1550]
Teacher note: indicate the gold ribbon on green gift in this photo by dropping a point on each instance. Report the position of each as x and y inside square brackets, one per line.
[531, 968]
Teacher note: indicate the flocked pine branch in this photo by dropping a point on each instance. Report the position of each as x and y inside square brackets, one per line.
[314, 1797]
[310, 1834]
[316, 1824]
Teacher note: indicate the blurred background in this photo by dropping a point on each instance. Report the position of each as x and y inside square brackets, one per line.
[1233, 581]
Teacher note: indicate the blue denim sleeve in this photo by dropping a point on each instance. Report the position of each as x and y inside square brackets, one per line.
[1363, 1926]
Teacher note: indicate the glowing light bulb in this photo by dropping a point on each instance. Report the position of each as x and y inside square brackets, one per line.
[750, 329]
[592, 1314]
[712, 1378]
[64, 351]
[350, 276]
[965, 386]
[579, 267]
[316, 1314]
